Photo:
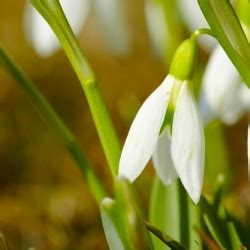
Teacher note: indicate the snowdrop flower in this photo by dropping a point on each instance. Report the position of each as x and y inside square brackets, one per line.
[157, 26]
[39, 32]
[114, 24]
[223, 96]
[109, 13]
[173, 105]
[194, 19]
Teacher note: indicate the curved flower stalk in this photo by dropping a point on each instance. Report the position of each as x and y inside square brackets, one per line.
[40, 34]
[172, 105]
[223, 96]
[110, 15]
[194, 19]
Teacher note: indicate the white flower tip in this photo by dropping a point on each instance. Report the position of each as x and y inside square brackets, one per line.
[125, 173]
[188, 143]
[195, 196]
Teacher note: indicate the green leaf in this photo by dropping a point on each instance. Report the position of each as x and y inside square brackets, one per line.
[173, 244]
[164, 211]
[112, 227]
[215, 225]
[217, 161]
[173, 213]
[234, 237]
[227, 29]
[130, 214]
[3, 242]
[194, 224]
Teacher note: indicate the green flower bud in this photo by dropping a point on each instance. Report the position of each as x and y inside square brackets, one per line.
[184, 61]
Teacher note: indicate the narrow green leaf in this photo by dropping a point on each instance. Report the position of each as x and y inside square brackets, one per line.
[164, 211]
[52, 12]
[234, 237]
[112, 227]
[227, 29]
[217, 161]
[130, 214]
[215, 225]
[242, 8]
[48, 113]
[173, 244]
[194, 225]
[4, 244]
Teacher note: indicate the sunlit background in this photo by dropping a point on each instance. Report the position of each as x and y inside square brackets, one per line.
[44, 202]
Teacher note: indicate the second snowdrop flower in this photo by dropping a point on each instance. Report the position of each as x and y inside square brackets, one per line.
[171, 105]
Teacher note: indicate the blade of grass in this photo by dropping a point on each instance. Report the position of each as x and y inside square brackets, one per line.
[4, 244]
[173, 244]
[227, 29]
[234, 237]
[52, 12]
[163, 211]
[215, 225]
[48, 113]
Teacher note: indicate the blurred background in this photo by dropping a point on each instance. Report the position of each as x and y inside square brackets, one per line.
[44, 202]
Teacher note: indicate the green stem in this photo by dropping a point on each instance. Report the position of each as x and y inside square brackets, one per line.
[48, 113]
[226, 27]
[200, 32]
[184, 216]
[53, 14]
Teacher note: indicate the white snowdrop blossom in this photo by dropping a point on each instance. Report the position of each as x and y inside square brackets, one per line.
[181, 155]
[223, 96]
[157, 26]
[39, 33]
[109, 13]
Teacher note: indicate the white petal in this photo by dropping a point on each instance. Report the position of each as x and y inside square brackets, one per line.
[155, 19]
[114, 24]
[144, 131]
[188, 145]
[220, 89]
[194, 19]
[40, 34]
[162, 160]
[244, 97]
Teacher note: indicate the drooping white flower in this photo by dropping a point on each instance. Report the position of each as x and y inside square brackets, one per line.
[184, 154]
[40, 34]
[223, 96]
[114, 24]
[188, 143]
[110, 16]
[157, 27]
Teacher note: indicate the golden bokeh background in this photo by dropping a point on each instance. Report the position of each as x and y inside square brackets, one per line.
[44, 202]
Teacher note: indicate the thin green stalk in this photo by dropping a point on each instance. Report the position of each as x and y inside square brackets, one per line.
[184, 216]
[54, 15]
[48, 113]
[226, 27]
[2, 239]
